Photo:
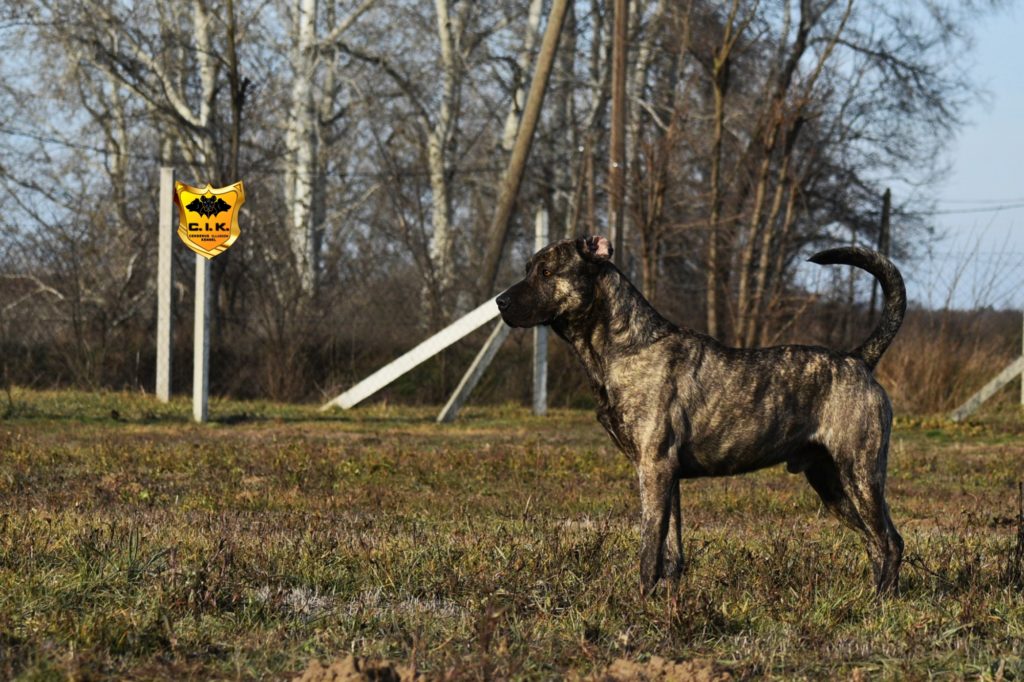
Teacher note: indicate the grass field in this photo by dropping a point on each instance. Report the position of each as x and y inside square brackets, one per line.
[135, 544]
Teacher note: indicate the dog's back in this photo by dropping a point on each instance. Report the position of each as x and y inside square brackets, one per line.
[737, 409]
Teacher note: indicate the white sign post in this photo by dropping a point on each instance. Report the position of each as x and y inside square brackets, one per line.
[201, 342]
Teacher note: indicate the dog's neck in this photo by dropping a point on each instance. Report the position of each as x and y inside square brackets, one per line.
[619, 321]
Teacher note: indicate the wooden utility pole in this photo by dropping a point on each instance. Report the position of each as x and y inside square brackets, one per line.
[883, 243]
[498, 232]
[617, 151]
[164, 240]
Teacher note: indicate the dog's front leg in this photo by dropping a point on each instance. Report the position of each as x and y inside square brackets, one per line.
[657, 480]
[672, 563]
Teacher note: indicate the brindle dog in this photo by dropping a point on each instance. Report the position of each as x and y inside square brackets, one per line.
[680, 404]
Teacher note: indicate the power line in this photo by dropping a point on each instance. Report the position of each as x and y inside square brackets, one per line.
[981, 201]
[963, 211]
[972, 251]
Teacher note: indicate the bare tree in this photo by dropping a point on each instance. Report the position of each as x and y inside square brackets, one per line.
[304, 180]
[372, 135]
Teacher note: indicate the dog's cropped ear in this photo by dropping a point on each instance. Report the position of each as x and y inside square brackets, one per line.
[595, 249]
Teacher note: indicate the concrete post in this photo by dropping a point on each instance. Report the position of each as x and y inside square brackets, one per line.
[165, 240]
[540, 333]
[201, 342]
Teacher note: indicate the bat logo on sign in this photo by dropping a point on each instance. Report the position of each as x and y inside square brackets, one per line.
[208, 206]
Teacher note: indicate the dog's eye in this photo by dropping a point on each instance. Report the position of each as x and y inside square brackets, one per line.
[546, 272]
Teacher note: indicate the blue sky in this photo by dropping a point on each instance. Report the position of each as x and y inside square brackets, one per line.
[980, 259]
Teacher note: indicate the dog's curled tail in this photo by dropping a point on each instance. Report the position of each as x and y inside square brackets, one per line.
[893, 290]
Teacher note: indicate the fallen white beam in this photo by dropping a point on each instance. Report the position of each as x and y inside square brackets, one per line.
[988, 390]
[462, 327]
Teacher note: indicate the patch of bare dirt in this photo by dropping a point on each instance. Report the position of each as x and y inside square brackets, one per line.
[659, 669]
[352, 669]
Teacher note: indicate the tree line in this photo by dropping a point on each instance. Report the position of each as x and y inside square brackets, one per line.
[372, 135]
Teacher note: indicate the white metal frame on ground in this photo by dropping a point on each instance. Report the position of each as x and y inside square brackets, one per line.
[1009, 373]
[449, 335]
[462, 327]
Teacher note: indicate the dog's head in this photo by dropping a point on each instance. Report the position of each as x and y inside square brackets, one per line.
[560, 280]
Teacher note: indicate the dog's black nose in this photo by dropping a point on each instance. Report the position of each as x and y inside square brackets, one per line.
[503, 301]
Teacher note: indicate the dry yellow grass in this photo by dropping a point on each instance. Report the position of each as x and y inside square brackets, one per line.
[135, 544]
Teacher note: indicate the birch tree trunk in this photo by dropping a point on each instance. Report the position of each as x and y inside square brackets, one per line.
[658, 145]
[636, 87]
[207, 80]
[508, 136]
[304, 179]
[436, 128]
[438, 139]
[301, 140]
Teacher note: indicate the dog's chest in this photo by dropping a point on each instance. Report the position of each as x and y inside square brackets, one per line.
[632, 405]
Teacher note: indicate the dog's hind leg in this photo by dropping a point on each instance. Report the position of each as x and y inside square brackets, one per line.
[657, 481]
[867, 492]
[856, 497]
[886, 538]
[823, 476]
[672, 560]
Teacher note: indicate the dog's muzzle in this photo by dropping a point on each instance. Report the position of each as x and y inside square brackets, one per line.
[511, 307]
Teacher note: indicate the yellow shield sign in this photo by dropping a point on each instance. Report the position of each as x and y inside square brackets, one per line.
[208, 217]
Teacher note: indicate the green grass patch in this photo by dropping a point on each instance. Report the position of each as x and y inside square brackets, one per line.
[135, 544]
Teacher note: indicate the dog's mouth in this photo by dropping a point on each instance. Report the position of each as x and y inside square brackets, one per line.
[514, 317]
[514, 321]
